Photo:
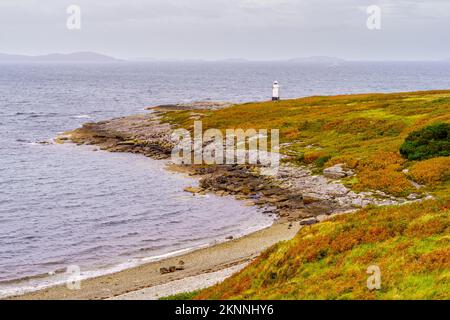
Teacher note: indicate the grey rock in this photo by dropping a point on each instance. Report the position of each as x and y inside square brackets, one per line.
[308, 221]
[413, 196]
[322, 217]
[337, 172]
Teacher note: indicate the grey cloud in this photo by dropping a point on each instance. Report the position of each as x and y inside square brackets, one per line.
[259, 29]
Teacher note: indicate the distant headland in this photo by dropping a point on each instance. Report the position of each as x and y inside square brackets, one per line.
[58, 57]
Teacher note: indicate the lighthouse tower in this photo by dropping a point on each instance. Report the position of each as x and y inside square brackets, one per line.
[275, 91]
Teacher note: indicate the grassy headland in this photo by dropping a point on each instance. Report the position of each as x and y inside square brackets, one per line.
[396, 147]
[410, 243]
[363, 131]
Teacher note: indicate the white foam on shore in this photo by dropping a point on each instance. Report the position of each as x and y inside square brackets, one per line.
[20, 287]
[54, 278]
[30, 285]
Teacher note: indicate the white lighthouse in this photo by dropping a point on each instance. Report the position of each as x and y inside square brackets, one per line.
[275, 91]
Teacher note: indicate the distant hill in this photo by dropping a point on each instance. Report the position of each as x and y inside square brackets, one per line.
[318, 59]
[314, 59]
[57, 57]
[235, 60]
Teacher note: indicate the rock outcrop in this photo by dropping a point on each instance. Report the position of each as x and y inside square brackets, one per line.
[337, 171]
[142, 134]
[320, 191]
[293, 194]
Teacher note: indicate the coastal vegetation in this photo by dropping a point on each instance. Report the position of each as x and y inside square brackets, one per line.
[182, 296]
[365, 132]
[429, 142]
[396, 144]
[409, 243]
[431, 172]
[387, 157]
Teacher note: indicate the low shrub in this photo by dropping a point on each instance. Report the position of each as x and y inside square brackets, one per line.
[432, 171]
[330, 260]
[313, 156]
[382, 171]
[429, 142]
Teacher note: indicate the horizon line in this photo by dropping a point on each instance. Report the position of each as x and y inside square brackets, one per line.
[229, 59]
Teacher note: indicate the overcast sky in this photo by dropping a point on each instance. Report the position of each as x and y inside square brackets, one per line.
[217, 29]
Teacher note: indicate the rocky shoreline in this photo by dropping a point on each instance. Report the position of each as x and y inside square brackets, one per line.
[142, 134]
[146, 281]
[294, 194]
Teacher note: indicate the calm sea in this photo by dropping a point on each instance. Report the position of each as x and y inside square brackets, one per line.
[65, 205]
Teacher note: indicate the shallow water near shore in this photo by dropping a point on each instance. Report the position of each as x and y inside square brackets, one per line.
[64, 205]
[120, 211]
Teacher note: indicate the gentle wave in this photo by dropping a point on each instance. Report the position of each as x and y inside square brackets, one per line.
[59, 276]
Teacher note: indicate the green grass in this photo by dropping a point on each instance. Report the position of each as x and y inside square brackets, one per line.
[365, 131]
[410, 243]
[182, 296]
[429, 142]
